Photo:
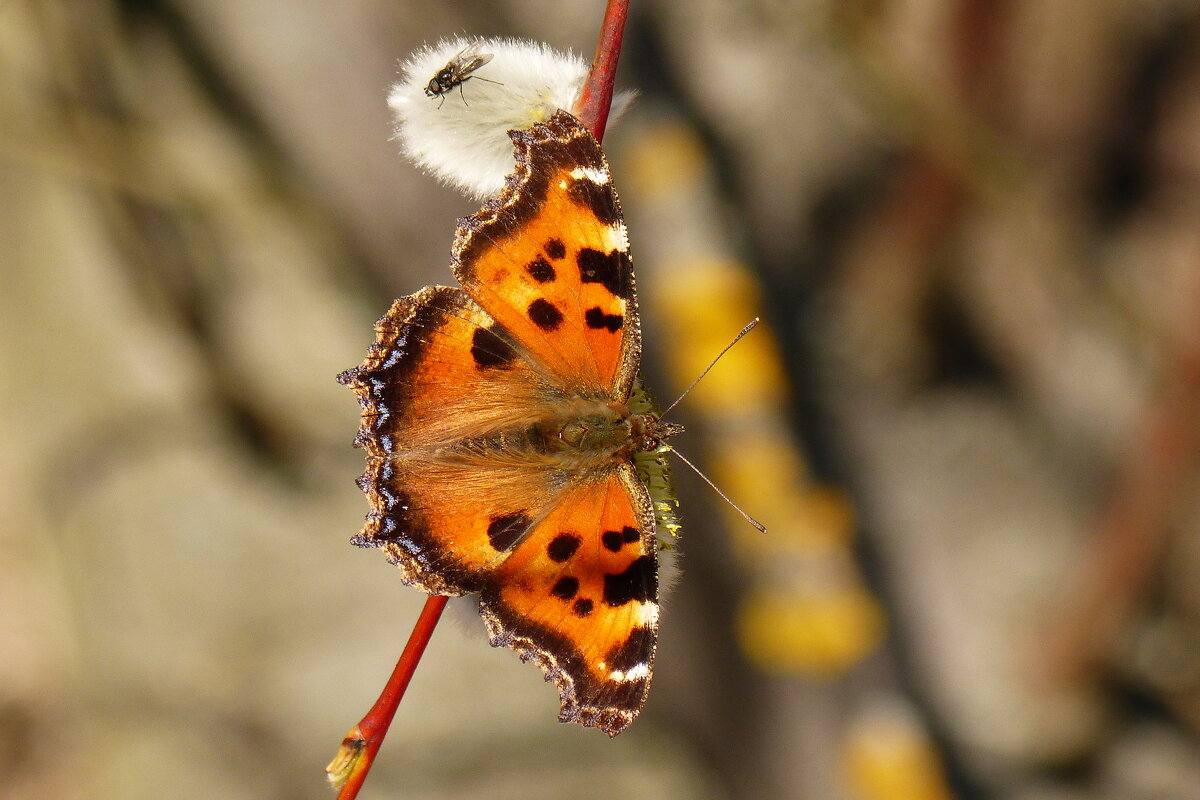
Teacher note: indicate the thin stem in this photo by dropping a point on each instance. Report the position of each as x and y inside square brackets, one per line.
[353, 761]
[596, 98]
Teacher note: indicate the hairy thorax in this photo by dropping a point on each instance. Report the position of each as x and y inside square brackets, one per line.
[585, 432]
[576, 435]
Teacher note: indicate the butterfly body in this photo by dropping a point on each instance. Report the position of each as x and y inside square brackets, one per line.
[583, 436]
[575, 439]
[511, 450]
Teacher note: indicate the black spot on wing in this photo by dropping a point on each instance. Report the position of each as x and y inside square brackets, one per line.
[596, 318]
[555, 249]
[503, 531]
[615, 540]
[583, 607]
[599, 198]
[610, 269]
[540, 270]
[544, 314]
[489, 350]
[562, 547]
[638, 582]
[566, 587]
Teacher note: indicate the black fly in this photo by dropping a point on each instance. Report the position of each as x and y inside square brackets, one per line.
[458, 71]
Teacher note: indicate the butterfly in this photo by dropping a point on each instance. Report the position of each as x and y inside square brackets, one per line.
[511, 448]
[458, 71]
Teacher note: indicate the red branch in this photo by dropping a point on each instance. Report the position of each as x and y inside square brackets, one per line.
[357, 753]
[596, 98]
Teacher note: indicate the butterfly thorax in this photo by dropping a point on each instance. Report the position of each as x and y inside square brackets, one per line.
[601, 430]
[578, 435]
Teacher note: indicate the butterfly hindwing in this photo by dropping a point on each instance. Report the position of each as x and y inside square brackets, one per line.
[565, 292]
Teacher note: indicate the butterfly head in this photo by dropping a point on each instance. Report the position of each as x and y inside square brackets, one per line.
[652, 433]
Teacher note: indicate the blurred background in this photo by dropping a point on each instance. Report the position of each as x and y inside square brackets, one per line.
[970, 422]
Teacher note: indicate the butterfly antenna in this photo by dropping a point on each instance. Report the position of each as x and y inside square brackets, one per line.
[707, 369]
[704, 477]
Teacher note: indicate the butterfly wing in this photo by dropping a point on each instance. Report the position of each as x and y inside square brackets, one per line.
[441, 379]
[579, 596]
[548, 259]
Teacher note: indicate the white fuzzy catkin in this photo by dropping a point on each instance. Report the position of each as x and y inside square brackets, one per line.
[461, 135]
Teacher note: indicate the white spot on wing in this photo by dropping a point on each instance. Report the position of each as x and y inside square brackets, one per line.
[596, 176]
[634, 673]
[622, 236]
[647, 615]
[613, 238]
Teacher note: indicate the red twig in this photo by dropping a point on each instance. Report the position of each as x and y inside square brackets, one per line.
[350, 766]
[596, 98]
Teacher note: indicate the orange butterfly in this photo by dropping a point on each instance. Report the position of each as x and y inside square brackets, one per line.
[510, 446]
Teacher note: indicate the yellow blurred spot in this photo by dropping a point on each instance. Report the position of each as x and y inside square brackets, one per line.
[887, 756]
[717, 298]
[666, 161]
[765, 472]
[815, 633]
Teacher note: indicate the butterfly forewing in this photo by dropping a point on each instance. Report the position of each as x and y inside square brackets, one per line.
[564, 292]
